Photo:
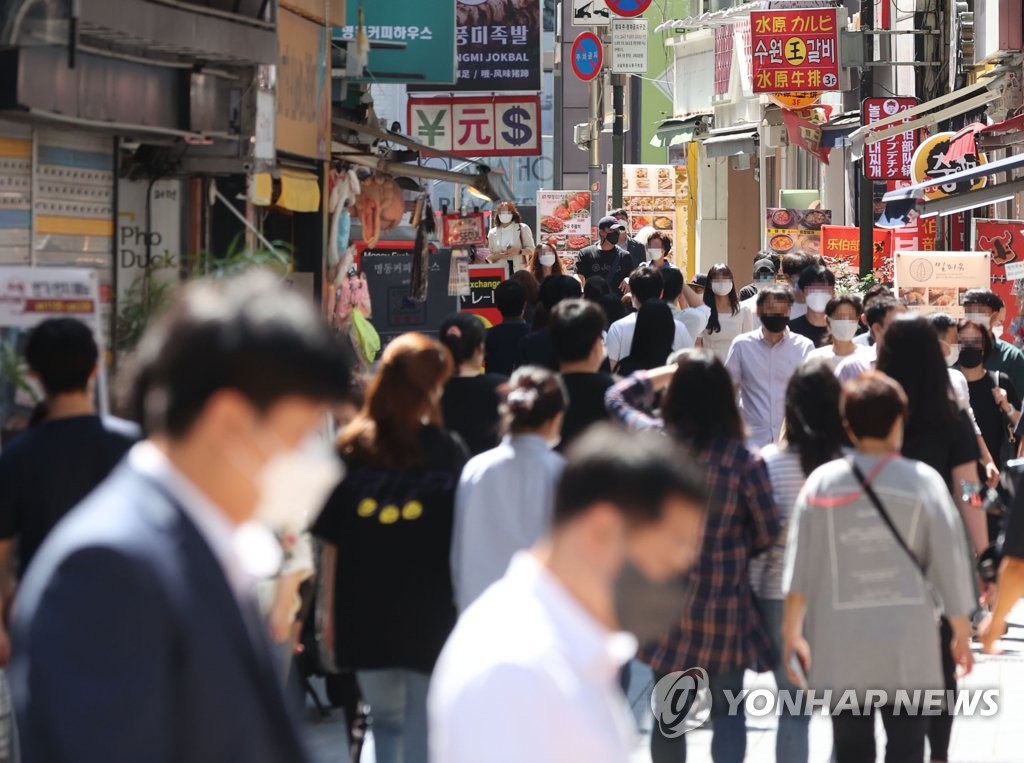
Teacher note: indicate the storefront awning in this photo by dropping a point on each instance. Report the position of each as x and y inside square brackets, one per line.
[990, 194]
[1002, 134]
[675, 132]
[300, 190]
[837, 131]
[929, 113]
[733, 141]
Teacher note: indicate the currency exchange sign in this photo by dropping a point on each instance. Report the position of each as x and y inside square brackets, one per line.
[795, 51]
[477, 126]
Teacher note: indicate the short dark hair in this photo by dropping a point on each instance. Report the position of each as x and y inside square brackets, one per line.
[672, 284]
[62, 352]
[770, 256]
[878, 290]
[871, 403]
[554, 289]
[248, 333]
[843, 299]
[987, 343]
[646, 283]
[942, 323]
[532, 397]
[985, 298]
[462, 334]
[700, 404]
[813, 274]
[596, 287]
[778, 292]
[637, 472]
[794, 264]
[879, 308]
[576, 324]
[510, 299]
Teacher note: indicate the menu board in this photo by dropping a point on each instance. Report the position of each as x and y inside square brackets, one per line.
[796, 231]
[931, 282]
[565, 223]
[388, 272]
[652, 194]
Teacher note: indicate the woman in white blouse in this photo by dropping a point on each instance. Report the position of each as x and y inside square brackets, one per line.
[728, 318]
[510, 240]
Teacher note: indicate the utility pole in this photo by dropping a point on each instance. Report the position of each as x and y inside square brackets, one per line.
[618, 85]
[867, 186]
[596, 118]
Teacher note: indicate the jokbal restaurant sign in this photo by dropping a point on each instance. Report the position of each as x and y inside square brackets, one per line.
[795, 51]
[497, 45]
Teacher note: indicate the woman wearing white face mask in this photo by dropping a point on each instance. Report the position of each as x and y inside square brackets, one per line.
[728, 318]
[544, 262]
[843, 315]
[505, 496]
[510, 240]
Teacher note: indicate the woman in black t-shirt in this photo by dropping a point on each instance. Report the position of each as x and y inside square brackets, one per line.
[471, 397]
[390, 525]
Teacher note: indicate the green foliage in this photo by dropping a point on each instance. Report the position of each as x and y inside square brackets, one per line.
[14, 368]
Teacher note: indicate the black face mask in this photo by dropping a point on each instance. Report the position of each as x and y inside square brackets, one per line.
[612, 237]
[971, 357]
[775, 323]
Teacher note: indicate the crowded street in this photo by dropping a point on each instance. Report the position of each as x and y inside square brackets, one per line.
[505, 381]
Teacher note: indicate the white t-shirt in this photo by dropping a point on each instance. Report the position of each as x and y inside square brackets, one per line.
[499, 239]
[828, 353]
[732, 325]
[620, 337]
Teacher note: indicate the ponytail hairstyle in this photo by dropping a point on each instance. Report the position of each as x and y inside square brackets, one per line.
[463, 334]
[532, 398]
[813, 424]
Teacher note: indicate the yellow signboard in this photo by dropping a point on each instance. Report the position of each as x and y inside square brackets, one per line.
[795, 101]
[934, 159]
[303, 87]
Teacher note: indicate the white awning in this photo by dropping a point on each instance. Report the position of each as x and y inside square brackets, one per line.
[731, 142]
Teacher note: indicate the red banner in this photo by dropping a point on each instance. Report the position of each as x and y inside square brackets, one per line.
[1004, 240]
[843, 242]
[795, 50]
[888, 159]
[804, 128]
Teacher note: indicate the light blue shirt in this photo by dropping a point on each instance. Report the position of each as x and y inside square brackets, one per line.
[503, 505]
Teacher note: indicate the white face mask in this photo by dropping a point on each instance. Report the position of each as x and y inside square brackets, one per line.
[721, 288]
[842, 330]
[954, 354]
[505, 218]
[818, 301]
[547, 260]
[655, 253]
[295, 484]
[980, 318]
[763, 282]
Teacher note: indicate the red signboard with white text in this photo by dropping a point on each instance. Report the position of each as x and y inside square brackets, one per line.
[795, 50]
[888, 159]
[1004, 240]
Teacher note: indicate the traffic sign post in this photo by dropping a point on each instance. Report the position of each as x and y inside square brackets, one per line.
[590, 13]
[628, 8]
[629, 46]
[587, 56]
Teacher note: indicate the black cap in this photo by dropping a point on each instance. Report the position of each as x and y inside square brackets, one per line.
[764, 265]
[610, 222]
[699, 280]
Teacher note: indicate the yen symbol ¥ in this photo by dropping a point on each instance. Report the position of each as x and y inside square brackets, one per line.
[429, 130]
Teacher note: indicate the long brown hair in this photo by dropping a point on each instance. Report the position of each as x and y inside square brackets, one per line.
[405, 390]
[535, 266]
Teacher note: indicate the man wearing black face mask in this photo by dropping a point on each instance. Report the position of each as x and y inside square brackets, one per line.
[541, 644]
[606, 258]
[761, 362]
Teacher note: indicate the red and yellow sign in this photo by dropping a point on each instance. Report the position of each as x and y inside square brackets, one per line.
[805, 130]
[795, 101]
[483, 280]
[933, 160]
[843, 242]
[795, 51]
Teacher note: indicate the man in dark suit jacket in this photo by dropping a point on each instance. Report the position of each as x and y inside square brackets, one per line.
[136, 635]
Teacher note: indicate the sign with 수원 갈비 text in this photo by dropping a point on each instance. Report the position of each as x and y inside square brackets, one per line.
[629, 46]
[477, 126]
[931, 282]
[795, 51]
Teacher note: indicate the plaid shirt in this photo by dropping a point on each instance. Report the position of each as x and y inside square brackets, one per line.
[721, 628]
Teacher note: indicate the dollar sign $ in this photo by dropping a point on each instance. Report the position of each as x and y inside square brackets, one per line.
[518, 132]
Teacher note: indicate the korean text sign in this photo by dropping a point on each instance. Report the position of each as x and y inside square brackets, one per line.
[478, 126]
[795, 50]
[889, 159]
[933, 282]
[565, 223]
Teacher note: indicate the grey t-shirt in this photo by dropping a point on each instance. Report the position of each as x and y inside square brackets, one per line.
[871, 621]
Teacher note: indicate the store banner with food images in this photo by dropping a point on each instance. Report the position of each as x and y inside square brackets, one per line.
[796, 231]
[464, 230]
[565, 223]
[842, 242]
[1004, 241]
[649, 195]
[483, 280]
[933, 282]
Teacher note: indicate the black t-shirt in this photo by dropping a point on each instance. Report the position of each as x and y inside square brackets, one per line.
[502, 344]
[393, 600]
[991, 421]
[637, 253]
[748, 291]
[586, 403]
[613, 264]
[1013, 540]
[804, 327]
[470, 408]
[48, 470]
[944, 448]
[537, 349]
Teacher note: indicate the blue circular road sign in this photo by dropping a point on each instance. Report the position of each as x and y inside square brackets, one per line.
[628, 7]
[587, 56]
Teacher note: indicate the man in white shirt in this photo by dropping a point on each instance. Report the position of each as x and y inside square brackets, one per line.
[880, 312]
[530, 671]
[645, 284]
[761, 363]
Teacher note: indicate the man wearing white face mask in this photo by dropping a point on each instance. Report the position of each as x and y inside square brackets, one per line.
[818, 285]
[140, 609]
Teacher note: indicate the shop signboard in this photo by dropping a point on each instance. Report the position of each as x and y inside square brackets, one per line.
[148, 243]
[796, 231]
[649, 194]
[795, 50]
[498, 47]
[931, 282]
[464, 230]
[888, 159]
[936, 157]
[303, 87]
[477, 126]
[420, 37]
[388, 270]
[565, 223]
[483, 280]
[842, 242]
[1004, 241]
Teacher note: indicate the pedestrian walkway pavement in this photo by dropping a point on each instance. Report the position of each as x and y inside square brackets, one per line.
[997, 739]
